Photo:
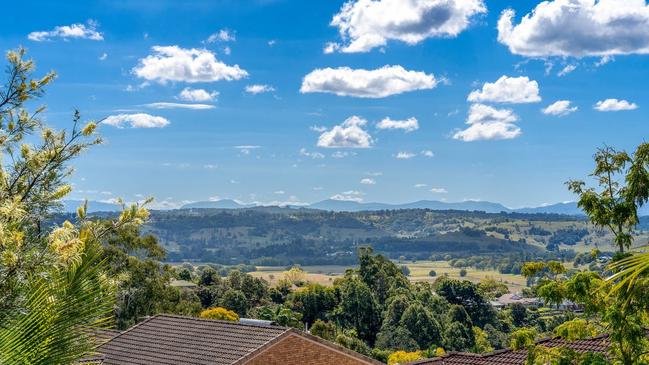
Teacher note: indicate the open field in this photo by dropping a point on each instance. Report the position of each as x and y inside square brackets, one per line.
[325, 274]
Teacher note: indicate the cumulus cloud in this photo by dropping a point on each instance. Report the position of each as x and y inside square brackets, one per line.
[78, 31]
[172, 63]
[407, 125]
[164, 105]
[420, 185]
[366, 24]
[189, 94]
[361, 83]
[438, 190]
[138, 120]
[513, 90]
[560, 108]
[614, 105]
[103, 56]
[259, 89]
[427, 153]
[349, 134]
[368, 181]
[486, 123]
[404, 155]
[578, 28]
[318, 128]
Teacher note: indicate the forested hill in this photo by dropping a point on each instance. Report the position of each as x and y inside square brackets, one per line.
[282, 236]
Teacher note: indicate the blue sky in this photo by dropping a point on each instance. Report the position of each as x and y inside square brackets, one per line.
[269, 85]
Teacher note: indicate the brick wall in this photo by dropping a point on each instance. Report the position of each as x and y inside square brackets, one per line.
[296, 350]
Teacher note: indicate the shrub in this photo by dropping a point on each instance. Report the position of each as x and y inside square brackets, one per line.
[463, 272]
[402, 357]
[432, 273]
[220, 313]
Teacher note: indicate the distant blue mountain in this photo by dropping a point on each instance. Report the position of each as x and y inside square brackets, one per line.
[70, 206]
[351, 206]
[217, 204]
[569, 208]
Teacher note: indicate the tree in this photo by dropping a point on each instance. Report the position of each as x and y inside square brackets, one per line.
[462, 273]
[52, 283]
[522, 338]
[220, 313]
[281, 315]
[468, 295]
[423, 326]
[325, 330]
[235, 300]
[313, 302]
[358, 308]
[615, 206]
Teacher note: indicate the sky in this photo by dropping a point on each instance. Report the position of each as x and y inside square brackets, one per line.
[293, 102]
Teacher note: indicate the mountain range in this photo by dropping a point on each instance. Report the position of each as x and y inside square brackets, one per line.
[568, 208]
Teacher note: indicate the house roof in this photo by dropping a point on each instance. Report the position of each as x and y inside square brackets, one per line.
[171, 340]
[509, 357]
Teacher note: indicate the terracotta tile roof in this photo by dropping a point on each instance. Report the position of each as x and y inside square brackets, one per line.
[509, 357]
[171, 340]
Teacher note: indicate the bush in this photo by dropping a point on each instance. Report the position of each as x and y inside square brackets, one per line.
[432, 273]
[402, 357]
[463, 273]
[220, 313]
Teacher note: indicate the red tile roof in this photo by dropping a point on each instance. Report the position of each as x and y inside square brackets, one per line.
[508, 357]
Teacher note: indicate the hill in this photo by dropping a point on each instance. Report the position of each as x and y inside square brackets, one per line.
[282, 236]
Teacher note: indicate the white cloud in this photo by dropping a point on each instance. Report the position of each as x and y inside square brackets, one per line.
[103, 56]
[318, 128]
[559, 108]
[566, 70]
[246, 149]
[139, 120]
[361, 83]
[189, 94]
[408, 125]
[342, 154]
[427, 153]
[486, 123]
[420, 185]
[438, 190]
[279, 192]
[271, 42]
[222, 35]
[368, 181]
[352, 196]
[349, 134]
[163, 105]
[366, 24]
[614, 105]
[404, 155]
[259, 89]
[172, 63]
[374, 173]
[210, 166]
[78, 31]
[313, 155]
[578, 28]
[514, 90]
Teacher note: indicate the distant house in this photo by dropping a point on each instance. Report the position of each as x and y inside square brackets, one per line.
[597, 344]
[174, 340]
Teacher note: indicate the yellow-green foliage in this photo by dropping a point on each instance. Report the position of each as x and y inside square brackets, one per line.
[402, 357]
[220, 313]
[575, 329]
[522, 338]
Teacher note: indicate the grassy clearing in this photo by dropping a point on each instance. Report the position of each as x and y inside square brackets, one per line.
[325, 274]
